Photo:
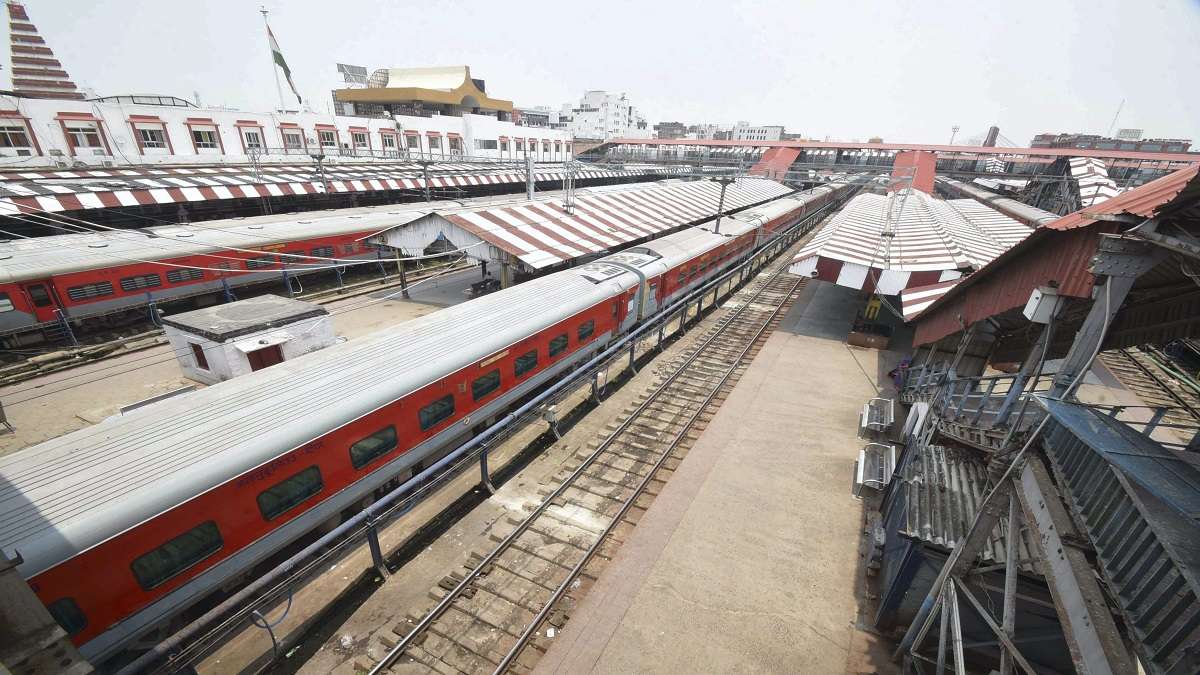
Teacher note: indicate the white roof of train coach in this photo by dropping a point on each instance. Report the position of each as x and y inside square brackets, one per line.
[73, 492]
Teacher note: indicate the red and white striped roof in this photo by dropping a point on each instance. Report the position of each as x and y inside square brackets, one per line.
[904, 240]
[117, 187]
[541, 233]
[913, 301]
[1091, 176]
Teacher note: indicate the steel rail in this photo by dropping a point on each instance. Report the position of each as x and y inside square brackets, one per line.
[182, 647]
[439, 609]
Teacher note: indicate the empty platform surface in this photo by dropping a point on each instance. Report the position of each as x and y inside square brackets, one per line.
[749, 560]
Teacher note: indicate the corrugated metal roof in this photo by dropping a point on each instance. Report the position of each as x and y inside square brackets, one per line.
[944, 488]
[927, 241]
[1145, 201]
[541, 233]
[775, 162]
[1006, 282]
[915, 300]
[112, 188]
[1091, 176]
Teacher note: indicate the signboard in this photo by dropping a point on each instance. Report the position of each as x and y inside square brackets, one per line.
[353, 74]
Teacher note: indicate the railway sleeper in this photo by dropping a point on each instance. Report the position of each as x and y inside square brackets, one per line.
[417, 660]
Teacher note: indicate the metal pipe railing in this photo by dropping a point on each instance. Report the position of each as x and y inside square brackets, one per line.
[238, 608]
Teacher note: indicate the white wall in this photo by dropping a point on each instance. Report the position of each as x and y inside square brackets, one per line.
[226, 361]
[48, 145]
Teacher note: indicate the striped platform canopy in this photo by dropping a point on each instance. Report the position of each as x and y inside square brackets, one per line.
[906, 240]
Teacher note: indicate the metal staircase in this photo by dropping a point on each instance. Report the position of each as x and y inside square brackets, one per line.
[1130, 481]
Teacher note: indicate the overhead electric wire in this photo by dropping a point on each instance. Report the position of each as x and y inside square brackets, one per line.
[155, 359]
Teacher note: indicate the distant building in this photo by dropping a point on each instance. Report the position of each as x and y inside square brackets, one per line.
[742, 131]
[1130, 134]
[423, 92]
[604, 116]
[1097, 142]
[670, 130]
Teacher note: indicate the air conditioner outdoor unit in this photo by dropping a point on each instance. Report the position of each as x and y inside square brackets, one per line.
[99, 153]
[56, 153]
[23, 153]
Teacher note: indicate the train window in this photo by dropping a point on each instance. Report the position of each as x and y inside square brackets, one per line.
[485, 384]
[695, 269]
[259, 262]
[141, 281]
[525, 363]
[348, 248]
[180, 276]
[435, 412]
[379, 443]
[39, 295]
[586, 329]
[87, 291]
[68, 615]
[323, 251]
[178, 554]
[6, 304]
[221, 269]
[558, 345]
[289, 492]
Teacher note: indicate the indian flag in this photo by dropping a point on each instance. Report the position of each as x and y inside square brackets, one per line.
[278, 55]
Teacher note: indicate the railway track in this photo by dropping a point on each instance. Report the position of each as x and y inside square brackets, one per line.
[1142, 375]
[497, 614]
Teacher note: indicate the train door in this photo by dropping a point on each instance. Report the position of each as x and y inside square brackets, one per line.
[41, 298]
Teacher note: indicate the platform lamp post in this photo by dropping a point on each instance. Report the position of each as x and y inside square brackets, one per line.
[319, 158]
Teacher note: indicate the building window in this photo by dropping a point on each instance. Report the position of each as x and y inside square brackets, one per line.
[558, 345]
[521, 147]
[485, 144]
[413, 142]
[377, 444]
[205, 138]
[292, 140]
[198, 354]
[289, 492]
[153, 138]
[588, 327]
[328, 139]
[546, 147]
[253, 140]
[178, 554]
[87, 291]
[456, 145]
[525, 363]
[388, 141]
[180, 276]
[485, 384]
[68, 615]
[14, 136]
[84, 135]
[140, 281]
[360, 140]
[503, 146]
[435, 143]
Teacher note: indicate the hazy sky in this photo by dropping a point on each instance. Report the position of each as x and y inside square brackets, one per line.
[903, 70]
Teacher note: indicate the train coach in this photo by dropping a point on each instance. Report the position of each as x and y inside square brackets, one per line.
[100, 277]
[123, 526]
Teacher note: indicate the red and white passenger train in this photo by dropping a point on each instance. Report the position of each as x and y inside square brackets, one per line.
[124, 525]
[99, 276]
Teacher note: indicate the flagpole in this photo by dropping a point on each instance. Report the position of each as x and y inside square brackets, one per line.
[274, 66]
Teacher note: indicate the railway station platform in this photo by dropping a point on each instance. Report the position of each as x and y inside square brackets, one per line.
[751, 559]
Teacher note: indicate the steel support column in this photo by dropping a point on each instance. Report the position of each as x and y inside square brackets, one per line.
[1096, 646]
